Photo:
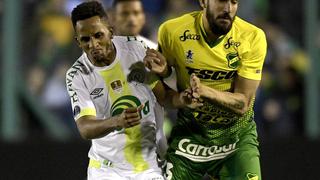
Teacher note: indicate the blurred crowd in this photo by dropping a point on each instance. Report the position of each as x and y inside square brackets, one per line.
[49, 50]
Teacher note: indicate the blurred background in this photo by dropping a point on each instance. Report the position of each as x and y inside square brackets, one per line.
[39, 139]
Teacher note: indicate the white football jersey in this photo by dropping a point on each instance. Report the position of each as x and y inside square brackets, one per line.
[149, 43]
[105, 91]
[161, 139]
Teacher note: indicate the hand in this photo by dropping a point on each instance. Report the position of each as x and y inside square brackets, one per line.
[156, 62]
[196, 86]
[188, 100]
[130, 117]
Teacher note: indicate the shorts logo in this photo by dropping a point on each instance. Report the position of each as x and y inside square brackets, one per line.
[128, 101]
[97, 92]
[199, 153]
[252, 176]
[233, 60]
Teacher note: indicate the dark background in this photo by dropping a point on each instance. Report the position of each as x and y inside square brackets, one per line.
[45, 143]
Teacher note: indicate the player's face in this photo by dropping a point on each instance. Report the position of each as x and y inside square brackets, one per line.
[220, 15]
[129, 18]
[94, 38]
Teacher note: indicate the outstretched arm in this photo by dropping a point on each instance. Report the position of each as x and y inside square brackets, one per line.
[172, 99]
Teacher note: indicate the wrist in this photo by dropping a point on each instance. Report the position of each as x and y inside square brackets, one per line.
[167, 72]
[115, 122]
[202, 90]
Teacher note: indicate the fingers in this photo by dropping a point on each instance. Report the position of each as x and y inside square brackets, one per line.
[155, 56]
[131, 116]
[134, 109]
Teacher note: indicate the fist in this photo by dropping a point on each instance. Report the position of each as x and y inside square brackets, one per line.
[130, 117]
[156, 62]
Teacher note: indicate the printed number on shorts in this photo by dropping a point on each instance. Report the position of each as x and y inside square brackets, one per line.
[168, 171]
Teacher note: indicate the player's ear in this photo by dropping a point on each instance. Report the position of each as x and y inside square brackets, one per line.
[111, 29]
[77, 40]
[203, 3]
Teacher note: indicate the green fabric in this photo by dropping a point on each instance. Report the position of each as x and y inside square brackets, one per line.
[241, 161]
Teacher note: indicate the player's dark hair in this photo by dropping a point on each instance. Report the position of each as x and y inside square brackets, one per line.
[115, 2]
[87, 10]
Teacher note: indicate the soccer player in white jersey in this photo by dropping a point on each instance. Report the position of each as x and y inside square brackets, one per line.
[113, 98]
[129, 19]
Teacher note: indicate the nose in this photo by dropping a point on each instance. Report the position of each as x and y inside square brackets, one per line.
[227, 6]
[93, 43]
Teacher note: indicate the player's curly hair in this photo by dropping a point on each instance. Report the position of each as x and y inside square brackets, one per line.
[87, 10]
[115, 2]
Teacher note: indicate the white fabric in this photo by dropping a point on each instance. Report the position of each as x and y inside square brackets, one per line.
[88, 90]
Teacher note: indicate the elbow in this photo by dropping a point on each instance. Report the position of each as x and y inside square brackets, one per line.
[242, 112]
[85, 135]
[242, 108]
[83, 131]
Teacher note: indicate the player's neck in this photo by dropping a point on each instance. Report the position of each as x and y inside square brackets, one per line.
[211, 37]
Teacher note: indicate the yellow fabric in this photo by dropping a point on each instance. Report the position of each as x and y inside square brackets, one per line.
[94, 164]
[97, 164]
[87, 112]
[241, 51]
[121, 98]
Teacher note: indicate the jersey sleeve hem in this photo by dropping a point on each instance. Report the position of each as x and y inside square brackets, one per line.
[251, 76]
[86, 112]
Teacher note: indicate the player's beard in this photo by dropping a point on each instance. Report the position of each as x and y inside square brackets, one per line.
[215, 27]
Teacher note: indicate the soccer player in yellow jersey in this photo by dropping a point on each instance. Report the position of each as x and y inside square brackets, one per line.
[220, 56]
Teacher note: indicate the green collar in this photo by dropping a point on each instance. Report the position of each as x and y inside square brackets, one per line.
[204, 34]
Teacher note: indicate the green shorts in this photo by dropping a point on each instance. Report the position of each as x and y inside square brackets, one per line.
[190, 156]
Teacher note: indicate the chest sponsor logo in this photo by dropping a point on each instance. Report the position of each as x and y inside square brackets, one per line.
[212, 115]
[189, 36]
[231, 43]
[116, 86]
[128, 101]
[200, 153]
[213, 75]
[233, 60]
[137, 73]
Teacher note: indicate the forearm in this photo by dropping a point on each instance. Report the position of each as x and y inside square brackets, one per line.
[173, 100]
[235, 102]
[92, 128]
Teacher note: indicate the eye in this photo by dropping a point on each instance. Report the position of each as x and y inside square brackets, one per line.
[98, 35]
[234, 1]
[85, 39]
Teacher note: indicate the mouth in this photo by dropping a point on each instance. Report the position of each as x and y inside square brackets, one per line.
[224, 18]
[96, 51]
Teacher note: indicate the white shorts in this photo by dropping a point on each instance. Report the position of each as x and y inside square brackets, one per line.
[111, 173]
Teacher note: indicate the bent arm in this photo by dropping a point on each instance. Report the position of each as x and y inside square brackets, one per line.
[238, 101]
[92, 128]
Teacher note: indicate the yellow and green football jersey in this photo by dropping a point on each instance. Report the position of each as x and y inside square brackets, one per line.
[241, 52]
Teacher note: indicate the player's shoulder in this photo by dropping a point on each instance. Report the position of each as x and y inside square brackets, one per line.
[147, 42]
[248, 29]
[183, 22]
[79, 68]
[128, 43]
